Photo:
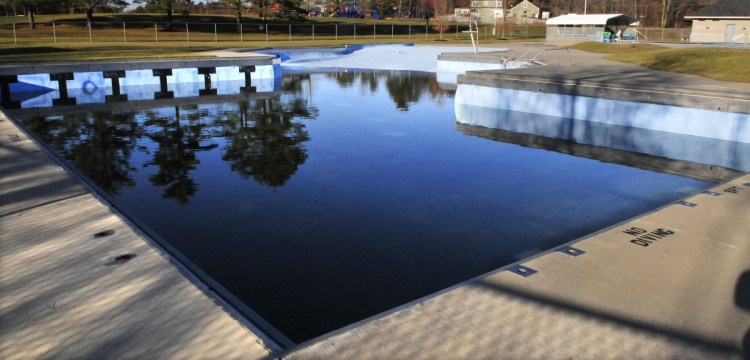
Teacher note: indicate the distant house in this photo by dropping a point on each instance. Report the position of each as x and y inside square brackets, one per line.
[726, 21]
[593, 27]
[462, 12]
[524, 9]
[487, 11]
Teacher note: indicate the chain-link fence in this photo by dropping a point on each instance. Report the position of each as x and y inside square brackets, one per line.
[668, 34]
[99, 32]
[67, 32]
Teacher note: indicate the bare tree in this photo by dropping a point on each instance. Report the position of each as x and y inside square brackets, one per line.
[90, 5]
[238, 6]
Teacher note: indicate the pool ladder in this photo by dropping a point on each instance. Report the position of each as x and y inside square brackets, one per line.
[535, 54]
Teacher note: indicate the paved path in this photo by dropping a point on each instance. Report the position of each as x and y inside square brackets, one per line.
[67, 293]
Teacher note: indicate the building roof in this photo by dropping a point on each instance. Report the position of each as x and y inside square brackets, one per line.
[592, 19]
[723, 8]
[519, 5]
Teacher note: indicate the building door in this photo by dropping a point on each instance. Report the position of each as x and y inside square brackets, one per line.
[729, 33]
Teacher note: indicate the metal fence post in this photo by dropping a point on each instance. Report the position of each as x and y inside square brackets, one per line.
[91, 25]
[355, 31]
[266, 27]
[54, 32]
[242, 33]
[216, 33]
[527, 31]
[409, 31]
[337, 31]
[391, 31]
[456, 31]
[156, 32]
[313, 32]
[15, 38]
[124, 33]
[187, 32]
[290, 32]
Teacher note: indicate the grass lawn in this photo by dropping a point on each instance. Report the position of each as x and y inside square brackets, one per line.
[715, 63]
[615, 48]
[725, 64]
[140, 36]
[85, 51]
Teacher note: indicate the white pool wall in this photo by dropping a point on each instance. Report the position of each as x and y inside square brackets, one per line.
[688, 121]
[87, 80]
[697, 149]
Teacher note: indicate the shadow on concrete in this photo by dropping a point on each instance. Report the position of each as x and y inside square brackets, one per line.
[742, 300]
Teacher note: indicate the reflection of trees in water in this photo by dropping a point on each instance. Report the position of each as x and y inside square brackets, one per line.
[265, 142]
[99, 144]
[293, 83]
[345, 79]
[178, 141]
[404, 87]
[264, 136]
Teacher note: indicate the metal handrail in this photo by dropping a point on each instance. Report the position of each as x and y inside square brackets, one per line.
[555, 48]
[740, 36]
[642, 34]
[532, 54]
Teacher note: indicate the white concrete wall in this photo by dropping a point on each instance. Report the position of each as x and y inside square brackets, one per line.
[147, 91]
[89, 80]
[673, 119]
[448, 71]
[715, 30]
[701, 150]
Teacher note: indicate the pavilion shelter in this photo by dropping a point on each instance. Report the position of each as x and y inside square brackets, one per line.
[591, 27]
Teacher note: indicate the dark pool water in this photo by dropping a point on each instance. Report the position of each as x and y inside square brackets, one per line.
[344, 194]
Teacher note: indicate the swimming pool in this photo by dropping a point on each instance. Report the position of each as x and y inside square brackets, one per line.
[342, 194]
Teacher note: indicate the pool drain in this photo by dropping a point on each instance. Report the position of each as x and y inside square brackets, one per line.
[120, 259]
[688, 204]
[522, 270]
[569, 250]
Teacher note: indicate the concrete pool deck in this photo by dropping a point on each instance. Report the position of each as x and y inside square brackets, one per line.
[68, 290]
[591, 75]
[674, 283]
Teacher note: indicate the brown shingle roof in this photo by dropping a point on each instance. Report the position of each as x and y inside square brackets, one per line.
[725, 8]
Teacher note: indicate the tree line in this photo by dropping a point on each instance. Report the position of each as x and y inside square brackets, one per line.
[663, 13]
